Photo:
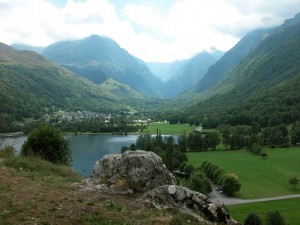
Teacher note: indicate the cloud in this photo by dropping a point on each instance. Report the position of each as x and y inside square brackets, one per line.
[150, 30]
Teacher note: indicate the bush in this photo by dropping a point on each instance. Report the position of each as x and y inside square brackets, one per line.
[252, 219]
[47, 143]
[275, 218]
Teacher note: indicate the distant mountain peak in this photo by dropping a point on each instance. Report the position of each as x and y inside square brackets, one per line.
[98, 58]
[292, 21]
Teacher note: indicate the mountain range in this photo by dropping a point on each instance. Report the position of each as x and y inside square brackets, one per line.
[260, 87]
[181, 75]
[256, 80]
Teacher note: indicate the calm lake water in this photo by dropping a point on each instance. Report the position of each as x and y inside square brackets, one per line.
[87, 148]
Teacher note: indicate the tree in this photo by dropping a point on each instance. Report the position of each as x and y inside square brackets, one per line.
[200, 184]
[252, 219]
[295, 134]
[294, 181]
[230, 184]
[189, 169]
[124, 148]
[275, 218]
[47, 142]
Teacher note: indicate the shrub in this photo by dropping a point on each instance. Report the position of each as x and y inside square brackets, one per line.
[47, 143]
[275, 218]
[252, 219]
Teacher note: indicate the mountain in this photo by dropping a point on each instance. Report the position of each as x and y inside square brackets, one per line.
[99, 58]
[28, 48]
[263, 87]
[31, 85]
[235, 55]
[192, 72]
[179, 76]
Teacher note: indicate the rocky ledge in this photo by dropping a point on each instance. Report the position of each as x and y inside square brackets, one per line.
[189, 202]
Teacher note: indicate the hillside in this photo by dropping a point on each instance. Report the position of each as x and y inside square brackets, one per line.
[31, 85]
[234, 56]
[99, 58]
[263, 87]
[38, 192]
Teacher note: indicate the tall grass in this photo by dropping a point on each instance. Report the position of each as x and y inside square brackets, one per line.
[39, 167]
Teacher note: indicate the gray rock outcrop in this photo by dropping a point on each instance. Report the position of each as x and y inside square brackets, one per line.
[132, 171]
[189, 202]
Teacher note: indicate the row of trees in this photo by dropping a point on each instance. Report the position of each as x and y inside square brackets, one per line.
[245, 136]
[197, 141]
[98, 125]
[229, 183]
[164, 146]
[197, 180]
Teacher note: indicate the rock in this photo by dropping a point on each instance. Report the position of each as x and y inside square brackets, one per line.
[189, 202]
[132, 171]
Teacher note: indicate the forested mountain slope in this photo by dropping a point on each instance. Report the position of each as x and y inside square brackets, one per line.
[31, 85]
[263, 87]
[235, 55]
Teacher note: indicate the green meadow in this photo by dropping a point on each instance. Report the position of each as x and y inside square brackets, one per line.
[166, 128]
[260, 178]
[288, 208]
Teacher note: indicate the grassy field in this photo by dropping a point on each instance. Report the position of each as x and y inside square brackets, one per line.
[259, 177]
[288, 208]
[167, 128]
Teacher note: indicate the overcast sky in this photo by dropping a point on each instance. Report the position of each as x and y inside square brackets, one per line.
[158, 30]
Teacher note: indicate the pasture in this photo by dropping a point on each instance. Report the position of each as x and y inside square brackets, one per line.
[166, 128]
[260, 178]
[288, 208]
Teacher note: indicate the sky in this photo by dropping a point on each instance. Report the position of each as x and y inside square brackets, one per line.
[154, 31]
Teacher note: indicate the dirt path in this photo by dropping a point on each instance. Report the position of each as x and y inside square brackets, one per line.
[218, 198]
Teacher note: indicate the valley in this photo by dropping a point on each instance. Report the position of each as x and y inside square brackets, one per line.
[239, 110]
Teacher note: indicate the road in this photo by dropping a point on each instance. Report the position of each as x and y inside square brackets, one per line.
[221, 199]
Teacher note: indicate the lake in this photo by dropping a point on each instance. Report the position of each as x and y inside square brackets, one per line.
[86, 148]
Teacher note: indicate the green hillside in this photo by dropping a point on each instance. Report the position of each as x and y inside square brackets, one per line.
[263, 87]
[31, 85]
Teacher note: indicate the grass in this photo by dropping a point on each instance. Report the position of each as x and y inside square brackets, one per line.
[33, 191]
[167, 128]
[288, 208]
[259, 177]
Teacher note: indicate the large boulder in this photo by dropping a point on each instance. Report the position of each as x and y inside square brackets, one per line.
[189, 202]
[132, 171]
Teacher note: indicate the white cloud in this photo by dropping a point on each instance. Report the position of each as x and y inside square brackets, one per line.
[147, 31]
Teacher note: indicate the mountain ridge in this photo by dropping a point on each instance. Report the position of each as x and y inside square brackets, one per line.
[99, 58]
